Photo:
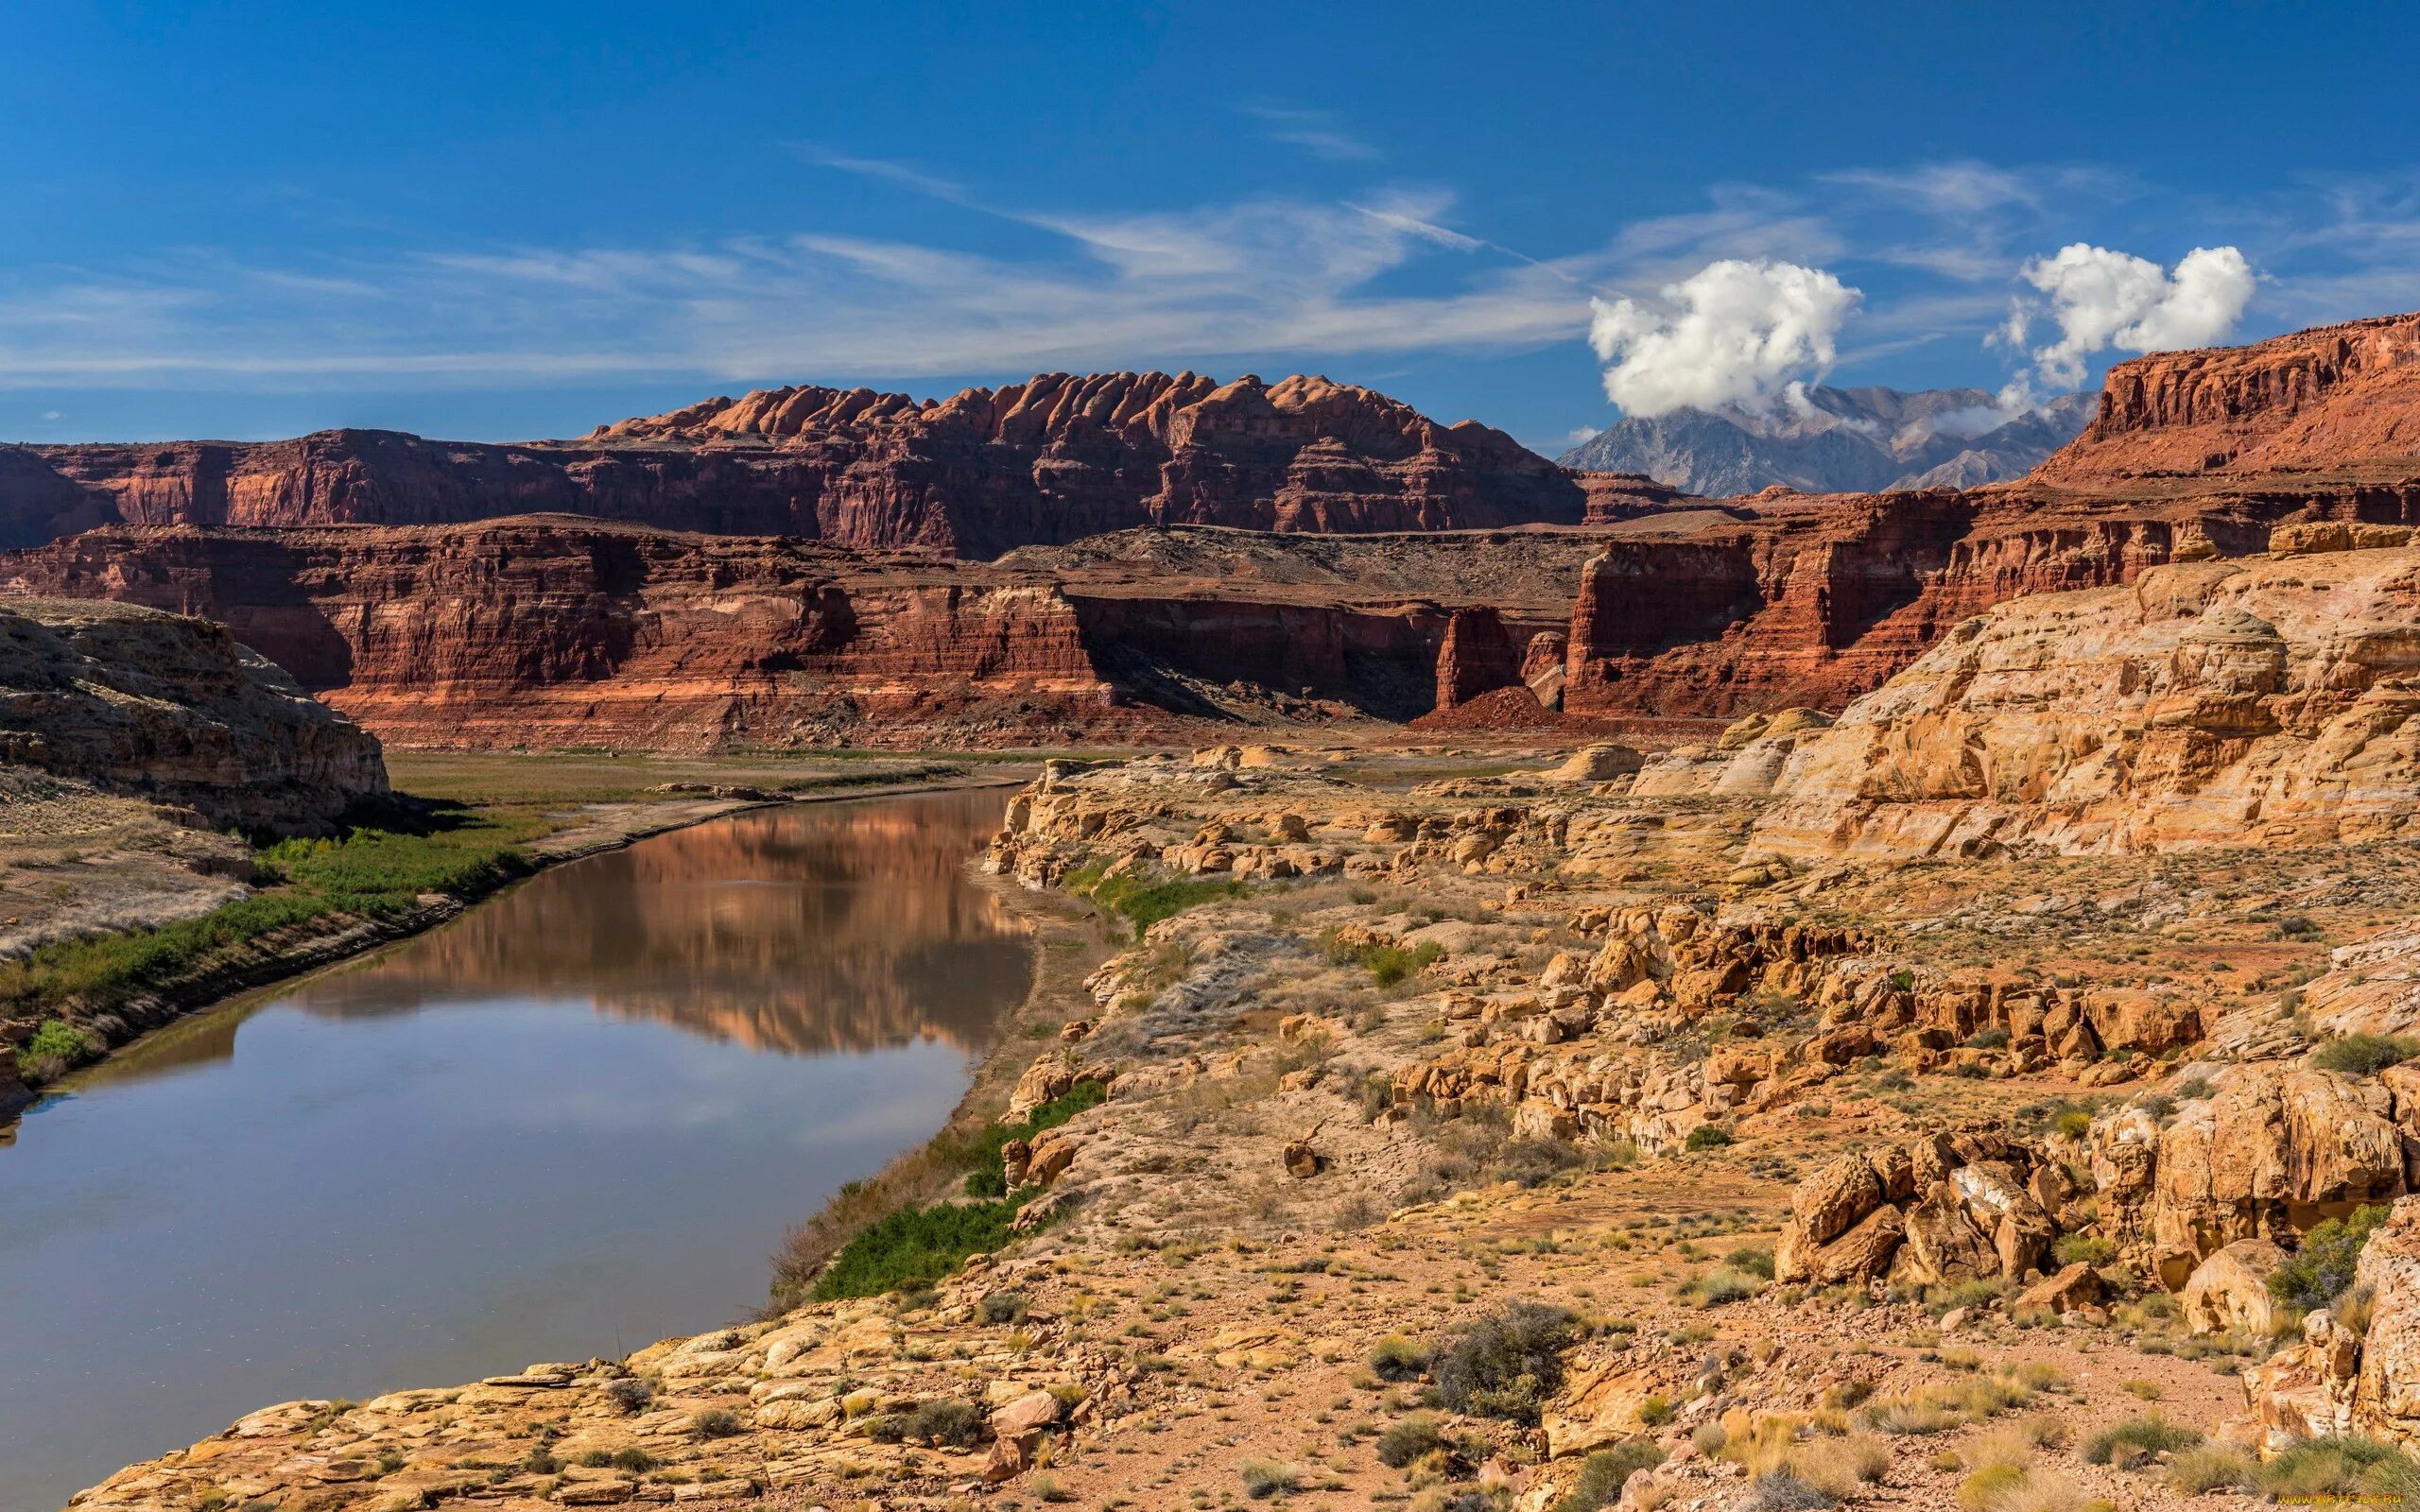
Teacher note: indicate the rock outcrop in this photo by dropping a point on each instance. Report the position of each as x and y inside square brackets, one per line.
[173, 709]
[1969, 1205]
[2276, 1150]
[2208, 704]
[2360, 1378]
[1052, 460]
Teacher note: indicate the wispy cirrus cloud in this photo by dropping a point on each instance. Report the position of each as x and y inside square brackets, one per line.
[1320, 134]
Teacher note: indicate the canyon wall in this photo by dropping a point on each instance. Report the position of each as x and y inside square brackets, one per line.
[557, 631]
[1053, 459]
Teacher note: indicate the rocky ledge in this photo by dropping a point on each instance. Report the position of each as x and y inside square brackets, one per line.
[172, 710]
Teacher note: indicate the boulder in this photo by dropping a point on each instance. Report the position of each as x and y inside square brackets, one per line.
[2229, 1292]
[2074, 1286]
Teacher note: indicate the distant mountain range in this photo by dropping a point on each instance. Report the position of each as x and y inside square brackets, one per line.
[1840, 440]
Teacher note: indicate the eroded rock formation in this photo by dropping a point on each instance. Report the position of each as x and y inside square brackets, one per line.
[1052, 460]
[173, 709]
[2207, 704]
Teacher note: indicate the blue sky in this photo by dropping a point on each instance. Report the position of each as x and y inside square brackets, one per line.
[507, 220]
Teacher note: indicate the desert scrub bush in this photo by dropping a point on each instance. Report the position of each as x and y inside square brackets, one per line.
[2136, 1438]
[1004, 1307]
[913, 1246]
[1604, 1473]
[1264, 1478]
[2322, 1270]
[1396, 1358]
[1781, 1490]
[2090, 1248]
[1750, 1259]
[628, 1395]
[1708, 1137]
[1719, 1286]
[950, 1422]
[717, 1423]
[2350, 1465]
[2207, 1467]
[1842, 1466]
[1508, 1363]
[1408, 1439]
[1654, 1410]
[990, 1176]
[1144, 899]
[2363, 1055]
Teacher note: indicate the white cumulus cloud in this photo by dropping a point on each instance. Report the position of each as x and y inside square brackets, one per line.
[1733, 333]
[2102, 299]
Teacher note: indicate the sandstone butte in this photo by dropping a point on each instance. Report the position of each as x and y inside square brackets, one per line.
[847, 621]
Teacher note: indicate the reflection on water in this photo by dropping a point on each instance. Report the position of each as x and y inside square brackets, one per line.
[574, 1121]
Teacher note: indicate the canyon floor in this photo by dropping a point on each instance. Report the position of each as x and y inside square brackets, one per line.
[1436, 1130]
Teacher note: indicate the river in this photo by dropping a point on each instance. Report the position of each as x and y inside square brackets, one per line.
[574, 1120]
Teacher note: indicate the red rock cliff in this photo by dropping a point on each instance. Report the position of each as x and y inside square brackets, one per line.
[1050, 460]
[561, 631]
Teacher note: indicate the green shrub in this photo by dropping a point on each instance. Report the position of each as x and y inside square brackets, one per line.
[1719, 1286]
[1408, 1439]
[1396, 1358]
[2152, 1434]
[1144, 899]
[990, 1177]
[628, 1395]
[2351, 1465]
[634, 1459]
[1708, 1137]
[715, 1423]
[1994, 1037]
[1390, 964]
[1264, 1478]
[2363, 1055]
[1604, 1473]
[55, 1049]
[2321, 1270]
[2089, 1249]
[914, 1245]
[1654, 1410]
[1751, 1260]
[1004, 1307]
[1506, 1365]
[949, 1422]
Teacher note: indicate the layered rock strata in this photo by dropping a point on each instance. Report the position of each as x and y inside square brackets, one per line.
[172, 710]
[559, 630]
[2205, 705]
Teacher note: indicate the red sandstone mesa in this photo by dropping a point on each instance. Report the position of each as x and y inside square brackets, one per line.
[1052, 459]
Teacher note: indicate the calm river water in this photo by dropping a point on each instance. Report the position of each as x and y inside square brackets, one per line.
[574, 1121]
